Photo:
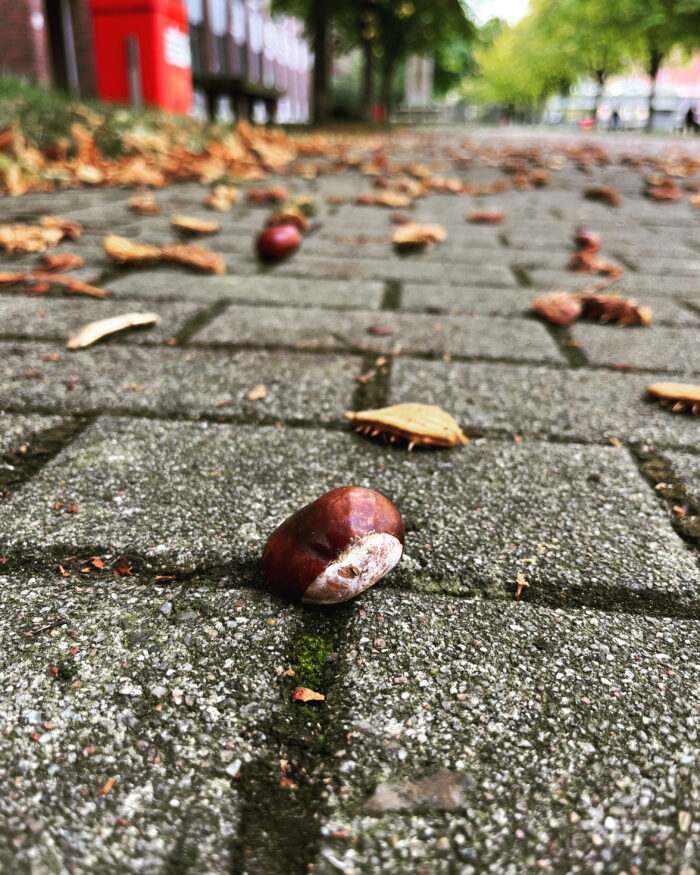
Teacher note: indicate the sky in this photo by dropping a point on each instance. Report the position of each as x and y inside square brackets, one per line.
[511, 10]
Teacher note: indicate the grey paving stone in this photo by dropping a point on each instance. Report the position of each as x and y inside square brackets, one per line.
[18, 429]
[101, 684]
[411, 269]
[576, 520]
[314, 329]
[465, 299]
[582, 405]
[687, 467]
[570, 740]
[673, 349]
[178, 382]
[262, 289]
[632, 284]
[46, 317]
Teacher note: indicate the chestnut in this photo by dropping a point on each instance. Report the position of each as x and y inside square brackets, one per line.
[278, 241]
[335, 547]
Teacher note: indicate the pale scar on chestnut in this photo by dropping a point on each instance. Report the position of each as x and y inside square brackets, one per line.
[335, 547]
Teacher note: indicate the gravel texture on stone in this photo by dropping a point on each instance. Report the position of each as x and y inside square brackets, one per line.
[60, 318]
[319, 329]
[178, 381]
[672, 349]
[262, 289]
[575, 404]
[571, 739]
[18, 429]
[577, 521]
[412, 268]
[129, 709]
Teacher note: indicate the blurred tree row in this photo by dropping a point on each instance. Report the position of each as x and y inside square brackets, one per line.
[560, 40]
[386, 32]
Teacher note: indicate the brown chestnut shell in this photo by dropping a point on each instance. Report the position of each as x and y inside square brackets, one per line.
[306, 544]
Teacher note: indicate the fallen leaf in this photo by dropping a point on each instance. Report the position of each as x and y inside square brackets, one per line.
[68, 227]
[94, 331]
[304, 694]
[109, 783]
[258, 393]
[193, 256]
[414, 236]
[144, 205]
[680, 397]
[587, 261]
[124, 251]
[679, 511]
[605, 194]
[123, 567]
[98, 563]
[61, 261]
[561, 308]
[288, 216]
[521, 584]
[192, 225]
[485, 218]
[664, 190]
[422, 424]
[615, 308]
[28, 238]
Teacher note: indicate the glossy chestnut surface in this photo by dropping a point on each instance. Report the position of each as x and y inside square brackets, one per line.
[334, 547]
[278, 242]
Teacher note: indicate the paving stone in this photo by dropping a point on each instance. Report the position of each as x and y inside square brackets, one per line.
[125, 730]
[633, 284]
[411, 269]
[574, 404]
[262, 289]
[19, 429]
[63, 317]
[465, 299]
[475, 515]
[318, 329]
[570, 738]
[178, 382]
[673, 349]
[687, 467]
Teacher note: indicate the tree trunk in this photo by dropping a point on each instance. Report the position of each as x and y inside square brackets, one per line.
[601, 76]
[387, 86]
[655, 59]
[321, 62]
[366, 108]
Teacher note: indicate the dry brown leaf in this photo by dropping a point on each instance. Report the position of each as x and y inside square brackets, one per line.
[484, 217]
[695, 201]
[196, 257]
[193, 225]
[61, 261]
[679, 397]
[94, 331]
[412, 235]
[587, 261]
[664, 190]
[561, 308]
[28, 238]
[615, 308]
[222, 197]
[304, 694]
[69, 283]
[69, 227]
[422, 424]
[9, 277]
[605, 194]
[144, 205]
[124, 251]
[258, 393]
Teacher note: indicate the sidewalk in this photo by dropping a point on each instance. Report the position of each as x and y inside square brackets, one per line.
[146, 717]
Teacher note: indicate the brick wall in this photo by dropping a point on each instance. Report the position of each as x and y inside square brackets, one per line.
[23, 44]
